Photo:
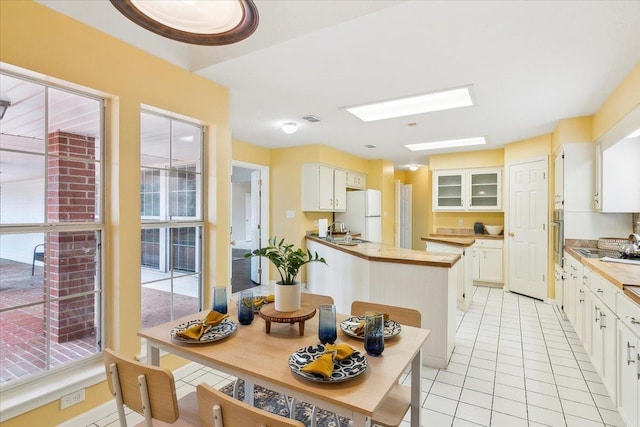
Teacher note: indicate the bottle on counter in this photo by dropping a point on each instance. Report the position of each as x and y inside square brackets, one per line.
[348, 239]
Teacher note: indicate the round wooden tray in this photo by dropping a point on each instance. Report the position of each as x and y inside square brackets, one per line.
[269, 313]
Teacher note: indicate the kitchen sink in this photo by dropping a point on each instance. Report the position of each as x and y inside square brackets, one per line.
[597, 253]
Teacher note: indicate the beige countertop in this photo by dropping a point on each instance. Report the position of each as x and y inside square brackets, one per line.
[464, 242]
[393, 254]
[468, 236]
[624, 276]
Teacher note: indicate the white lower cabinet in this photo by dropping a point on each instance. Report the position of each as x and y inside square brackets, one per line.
[608, 325]
[628, 361]
[487, 260]
[465, 281]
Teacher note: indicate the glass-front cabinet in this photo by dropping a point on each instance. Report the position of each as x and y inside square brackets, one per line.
[467, 190]
[448, 191]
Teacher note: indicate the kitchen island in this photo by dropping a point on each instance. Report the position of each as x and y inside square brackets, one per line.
[387, 274]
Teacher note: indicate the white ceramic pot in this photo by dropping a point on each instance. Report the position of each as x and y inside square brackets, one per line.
[287, 297]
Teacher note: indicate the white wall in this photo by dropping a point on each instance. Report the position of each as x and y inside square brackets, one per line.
[21, 202]
[593, 225]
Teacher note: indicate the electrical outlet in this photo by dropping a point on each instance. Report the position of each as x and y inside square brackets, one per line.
[460, 222]
[71, 399]
[290, 214]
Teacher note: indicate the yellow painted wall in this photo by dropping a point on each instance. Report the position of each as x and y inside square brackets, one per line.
[577, 129]
[36, 38]
[621, 101]
[245, 152]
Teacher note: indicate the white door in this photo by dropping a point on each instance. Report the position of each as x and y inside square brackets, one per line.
[527, 228]
[256, 235]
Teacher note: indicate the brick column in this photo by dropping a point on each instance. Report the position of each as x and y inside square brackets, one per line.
[71, 197]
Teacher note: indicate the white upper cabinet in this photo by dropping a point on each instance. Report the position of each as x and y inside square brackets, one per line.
[467, 190]
[617, 186]
[356, 181]
[574, 177]
[324, 188]
[617, 153]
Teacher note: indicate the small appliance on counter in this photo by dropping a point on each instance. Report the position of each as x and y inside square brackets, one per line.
[478, 228]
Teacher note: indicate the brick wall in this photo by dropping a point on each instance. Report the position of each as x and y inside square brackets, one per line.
[71, 197]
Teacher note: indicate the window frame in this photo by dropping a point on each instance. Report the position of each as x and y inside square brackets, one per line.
[83, 371]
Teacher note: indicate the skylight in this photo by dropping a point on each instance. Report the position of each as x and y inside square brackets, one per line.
[447, 144]
[418, 104]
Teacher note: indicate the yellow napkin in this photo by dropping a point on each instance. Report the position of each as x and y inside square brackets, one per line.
[359, 330]
[340, 351]
[214, 318]
[269, 298]
[323, 365]
[193, 332]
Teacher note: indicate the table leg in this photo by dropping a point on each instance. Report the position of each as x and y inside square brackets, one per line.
[416, 374]
[301, 327]
[153, 355]
[267, 325]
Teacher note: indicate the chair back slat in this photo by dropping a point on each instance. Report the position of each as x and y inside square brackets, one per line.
[402, 315]
[159, 382]
[315, 299]
[235, 413]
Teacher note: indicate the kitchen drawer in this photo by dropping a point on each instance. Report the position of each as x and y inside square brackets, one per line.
[488, 243]
[603, 289]
[628, 312]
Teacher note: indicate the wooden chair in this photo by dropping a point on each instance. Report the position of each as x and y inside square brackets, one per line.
[148, 390]
[216, 409]
[315, 299]
[398, 402]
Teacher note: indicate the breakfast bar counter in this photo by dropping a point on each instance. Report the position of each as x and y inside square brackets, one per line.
[375, 272]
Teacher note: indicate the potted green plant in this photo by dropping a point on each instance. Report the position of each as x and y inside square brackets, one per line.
[288, 262]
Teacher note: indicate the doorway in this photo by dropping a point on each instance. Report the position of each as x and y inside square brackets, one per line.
[403, 215]
[249, 213]
[527, 224]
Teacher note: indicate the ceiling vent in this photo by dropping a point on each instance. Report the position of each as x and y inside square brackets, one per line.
[311, 119]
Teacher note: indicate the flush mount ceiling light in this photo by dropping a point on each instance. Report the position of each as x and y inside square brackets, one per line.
[4, 105]
[413, 168]
[201, 22]
[447, 144]
[418, 104]
[289, 128]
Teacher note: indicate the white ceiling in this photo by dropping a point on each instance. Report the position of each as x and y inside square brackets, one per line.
[531, 63]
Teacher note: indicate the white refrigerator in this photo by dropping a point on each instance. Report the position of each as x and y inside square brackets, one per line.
[363, 214]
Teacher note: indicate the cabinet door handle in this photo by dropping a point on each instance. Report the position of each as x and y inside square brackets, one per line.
[581, 299]
[603, 317]
[634, 321]
[629, 358]
[599, 291]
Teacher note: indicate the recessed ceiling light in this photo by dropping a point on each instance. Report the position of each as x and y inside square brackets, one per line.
[634, 133]
[417, 104]
[289, 128]
[447, 144]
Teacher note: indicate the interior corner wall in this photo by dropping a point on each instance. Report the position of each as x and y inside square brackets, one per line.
[38, 41]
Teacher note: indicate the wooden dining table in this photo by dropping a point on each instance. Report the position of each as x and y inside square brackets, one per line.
[253, 355]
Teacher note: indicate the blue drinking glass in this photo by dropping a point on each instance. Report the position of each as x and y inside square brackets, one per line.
[327, 332]
[245, 308]
[374, 333]
[220, 299]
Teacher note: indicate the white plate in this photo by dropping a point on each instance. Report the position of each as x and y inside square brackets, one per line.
[343, 370]
[223, 330]
[391, 327]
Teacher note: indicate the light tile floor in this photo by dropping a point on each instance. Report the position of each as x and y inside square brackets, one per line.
[516, 363]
